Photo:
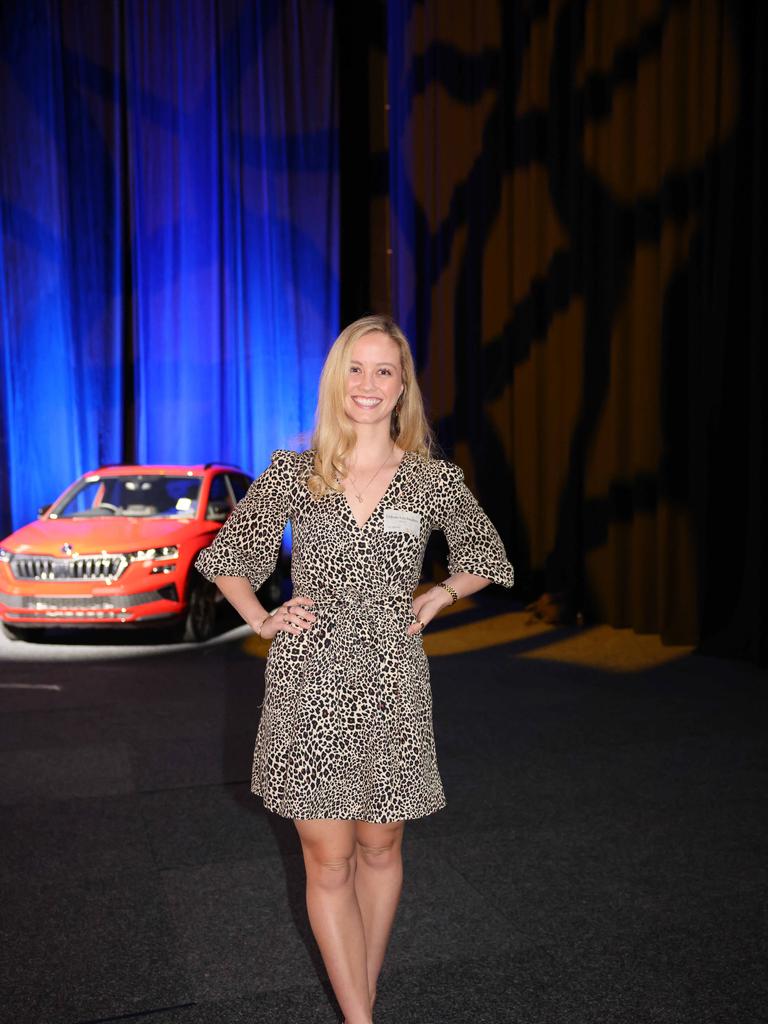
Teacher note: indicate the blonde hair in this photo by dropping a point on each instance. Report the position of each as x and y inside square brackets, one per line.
[333, 437]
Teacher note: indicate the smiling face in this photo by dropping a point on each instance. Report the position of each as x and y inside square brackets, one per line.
[374, 378]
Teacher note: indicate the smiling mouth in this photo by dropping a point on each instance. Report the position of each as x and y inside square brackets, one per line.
[366, 403]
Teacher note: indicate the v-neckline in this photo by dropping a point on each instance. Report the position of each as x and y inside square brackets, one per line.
[375, 508]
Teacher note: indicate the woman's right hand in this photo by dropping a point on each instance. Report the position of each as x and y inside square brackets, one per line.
[292, 616]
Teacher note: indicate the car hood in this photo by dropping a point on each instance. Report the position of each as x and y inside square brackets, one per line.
[89, 536]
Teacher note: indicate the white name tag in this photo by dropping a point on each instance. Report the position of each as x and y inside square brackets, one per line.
[401, 521]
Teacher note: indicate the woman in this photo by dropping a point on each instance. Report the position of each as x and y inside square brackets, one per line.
[345, 744]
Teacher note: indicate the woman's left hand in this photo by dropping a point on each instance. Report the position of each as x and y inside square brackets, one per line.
[426, 606]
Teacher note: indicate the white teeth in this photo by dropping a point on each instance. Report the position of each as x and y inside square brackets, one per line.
[369, 402]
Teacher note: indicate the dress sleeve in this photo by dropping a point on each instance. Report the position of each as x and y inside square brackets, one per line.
[248, 544]
[474, 544]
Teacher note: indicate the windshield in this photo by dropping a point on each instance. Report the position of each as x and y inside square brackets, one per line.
[138, 494]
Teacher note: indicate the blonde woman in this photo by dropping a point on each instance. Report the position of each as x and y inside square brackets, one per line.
[345, 743]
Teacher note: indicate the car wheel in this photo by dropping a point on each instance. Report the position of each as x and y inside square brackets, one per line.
[201, 612]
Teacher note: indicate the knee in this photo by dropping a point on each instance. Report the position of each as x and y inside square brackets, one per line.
[384, 853]
[330, 873]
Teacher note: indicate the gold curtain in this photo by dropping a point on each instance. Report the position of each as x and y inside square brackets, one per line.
[552, 156]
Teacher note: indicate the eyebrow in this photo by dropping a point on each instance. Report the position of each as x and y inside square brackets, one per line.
[357, 361]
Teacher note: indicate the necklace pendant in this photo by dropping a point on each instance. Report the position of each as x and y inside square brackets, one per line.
[359, 497]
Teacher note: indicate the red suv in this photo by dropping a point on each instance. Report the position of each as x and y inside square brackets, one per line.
[118, 548]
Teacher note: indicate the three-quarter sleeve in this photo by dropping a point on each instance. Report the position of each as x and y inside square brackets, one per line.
[474, 544]
[248, 544]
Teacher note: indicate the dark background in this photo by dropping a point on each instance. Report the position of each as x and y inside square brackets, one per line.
[560, 202]
[593, 279]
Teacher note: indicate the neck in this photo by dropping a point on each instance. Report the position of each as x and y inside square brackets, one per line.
[372, 445]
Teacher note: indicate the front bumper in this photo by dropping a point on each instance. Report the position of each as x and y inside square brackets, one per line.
[139, 608]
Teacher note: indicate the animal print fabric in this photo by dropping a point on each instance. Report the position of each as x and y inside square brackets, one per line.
[346, 724]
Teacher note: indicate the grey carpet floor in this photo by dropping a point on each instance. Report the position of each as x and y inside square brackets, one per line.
[603, 856]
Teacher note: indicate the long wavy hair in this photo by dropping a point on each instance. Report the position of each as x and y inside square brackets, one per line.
[333, 437]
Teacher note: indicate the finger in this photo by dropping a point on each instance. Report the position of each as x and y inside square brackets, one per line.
[289, 627]
[297, 612]
[300, 618]
[300, 606]
[292, 622]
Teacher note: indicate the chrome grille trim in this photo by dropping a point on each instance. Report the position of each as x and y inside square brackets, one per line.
[86, 567]
[32, 602]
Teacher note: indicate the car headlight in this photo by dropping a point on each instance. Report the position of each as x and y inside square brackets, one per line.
[5, 556]
[153, 554]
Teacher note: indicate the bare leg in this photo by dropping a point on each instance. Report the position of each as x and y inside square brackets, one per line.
[330, 859]
[378, 883]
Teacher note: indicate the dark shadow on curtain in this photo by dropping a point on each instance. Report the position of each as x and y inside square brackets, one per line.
[573, 200]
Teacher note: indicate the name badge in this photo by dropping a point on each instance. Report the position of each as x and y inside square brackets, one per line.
[401, 521]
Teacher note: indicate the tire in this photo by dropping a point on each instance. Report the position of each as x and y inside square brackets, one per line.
[200, 623]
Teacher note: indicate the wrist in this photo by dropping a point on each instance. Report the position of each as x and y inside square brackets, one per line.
[447, 592]
[258, 625]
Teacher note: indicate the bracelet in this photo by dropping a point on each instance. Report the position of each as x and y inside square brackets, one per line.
[267, 616]
[451, 591]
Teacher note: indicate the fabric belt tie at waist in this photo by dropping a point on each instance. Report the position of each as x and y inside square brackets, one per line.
[354, 599]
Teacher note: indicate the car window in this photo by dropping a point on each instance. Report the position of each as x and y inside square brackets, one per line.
[86, 500]
[220, 502]
[240, 485]
[140, 494]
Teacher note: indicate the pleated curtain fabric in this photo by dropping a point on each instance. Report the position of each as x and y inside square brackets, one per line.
[572, 232]
[169, 256]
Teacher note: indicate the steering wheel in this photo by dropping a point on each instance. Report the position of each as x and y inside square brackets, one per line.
[108, 504]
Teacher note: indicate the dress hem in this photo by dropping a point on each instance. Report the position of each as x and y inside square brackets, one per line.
[281, 811]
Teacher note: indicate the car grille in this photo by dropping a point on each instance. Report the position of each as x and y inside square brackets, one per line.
[98, 603]
[88, 567]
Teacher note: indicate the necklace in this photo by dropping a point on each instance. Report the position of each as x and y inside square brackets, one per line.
[359, 494]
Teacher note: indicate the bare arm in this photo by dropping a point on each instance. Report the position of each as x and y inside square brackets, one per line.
[238, 592]
[473, 544]
[293, 616]
[465, 583]
[427, 605]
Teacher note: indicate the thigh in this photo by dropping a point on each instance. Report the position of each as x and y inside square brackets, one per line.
[374, 836]
[326, 839]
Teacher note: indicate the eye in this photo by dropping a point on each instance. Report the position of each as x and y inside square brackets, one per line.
[354, 369]
[385, 370]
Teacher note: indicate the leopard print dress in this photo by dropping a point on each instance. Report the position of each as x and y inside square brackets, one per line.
[346, 724]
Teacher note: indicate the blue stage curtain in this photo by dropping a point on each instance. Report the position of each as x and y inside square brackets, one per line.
[169, 256]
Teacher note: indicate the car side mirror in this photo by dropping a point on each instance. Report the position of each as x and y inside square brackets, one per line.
[42, 510]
